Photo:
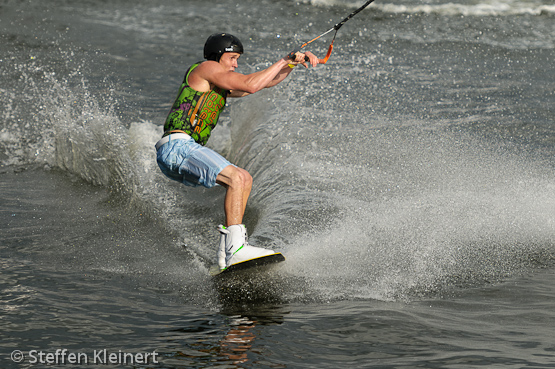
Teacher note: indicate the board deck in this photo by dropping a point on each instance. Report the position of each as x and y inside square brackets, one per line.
[247, 264]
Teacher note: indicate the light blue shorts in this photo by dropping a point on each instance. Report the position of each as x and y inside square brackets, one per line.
[186, 161]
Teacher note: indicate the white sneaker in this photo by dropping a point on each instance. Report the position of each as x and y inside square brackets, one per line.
[237, 248]
[220, 254]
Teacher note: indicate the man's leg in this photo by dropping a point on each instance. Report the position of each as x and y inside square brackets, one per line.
[238, 184]
[234, 247]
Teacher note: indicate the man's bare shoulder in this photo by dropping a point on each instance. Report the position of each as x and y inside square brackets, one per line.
[206, 64]
[202, 76]
[209, 66]
[214, 74]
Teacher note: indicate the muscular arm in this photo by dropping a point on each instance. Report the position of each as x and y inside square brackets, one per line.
[282, 74]
[213, 73]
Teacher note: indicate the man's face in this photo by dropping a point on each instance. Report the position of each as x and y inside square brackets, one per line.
[229, 61]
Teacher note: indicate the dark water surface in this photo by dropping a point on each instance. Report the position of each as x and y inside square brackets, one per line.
[409, 182]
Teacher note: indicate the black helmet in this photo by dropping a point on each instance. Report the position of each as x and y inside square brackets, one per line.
[220, 43]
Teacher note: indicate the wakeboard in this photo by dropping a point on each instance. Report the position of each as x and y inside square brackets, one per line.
[248, 264]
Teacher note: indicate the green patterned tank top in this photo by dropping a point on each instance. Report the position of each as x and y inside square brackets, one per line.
[195, 112]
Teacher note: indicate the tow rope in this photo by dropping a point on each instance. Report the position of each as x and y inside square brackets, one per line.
[336, 28]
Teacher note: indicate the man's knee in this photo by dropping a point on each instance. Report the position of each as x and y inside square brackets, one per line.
[241, 178]
[247, 180]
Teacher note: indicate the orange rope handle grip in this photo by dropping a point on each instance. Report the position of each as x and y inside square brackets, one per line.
[323, 61]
